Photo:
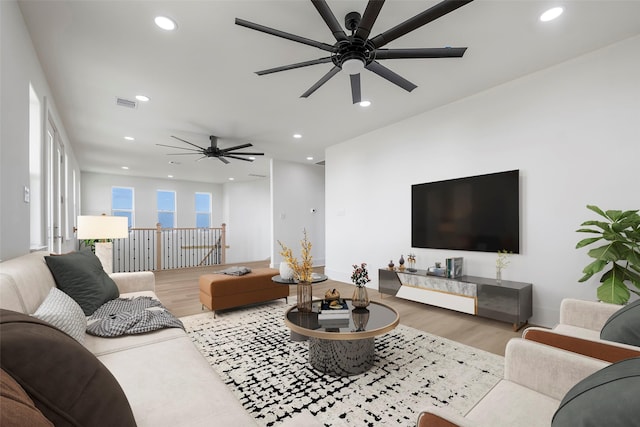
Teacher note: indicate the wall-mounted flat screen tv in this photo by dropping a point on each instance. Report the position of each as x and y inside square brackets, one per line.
[477, 213]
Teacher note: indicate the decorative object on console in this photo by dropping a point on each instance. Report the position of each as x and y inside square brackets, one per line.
[360, 277]
[411, 259]
[454, 267]
[502, 261]
[103, 228]
[391, 265]
[302, 271]
[437, 271]
[621, 234]
[401, 263]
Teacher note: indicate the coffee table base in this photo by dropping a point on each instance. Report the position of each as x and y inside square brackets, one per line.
[341, 358]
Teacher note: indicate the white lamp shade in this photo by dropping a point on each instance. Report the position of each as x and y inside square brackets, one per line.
[102, 227]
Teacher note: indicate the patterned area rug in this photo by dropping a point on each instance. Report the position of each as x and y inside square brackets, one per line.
[250, 349]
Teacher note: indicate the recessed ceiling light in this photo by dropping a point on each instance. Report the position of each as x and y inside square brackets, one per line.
[365, 103]
[169, 176]
[173, 162]
[125, 167]
[231, 179]
[551, 14]
[165, 23]
[309, 158]
[129, 138]
[297, 136]
[142, 98]
[252, 158]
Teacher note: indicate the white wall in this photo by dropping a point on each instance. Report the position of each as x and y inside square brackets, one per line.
[247, 213]
[573, 132]
[19, 67]
[96, 198]
[296, 189]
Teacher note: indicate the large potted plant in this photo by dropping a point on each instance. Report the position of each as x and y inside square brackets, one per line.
[620, 233]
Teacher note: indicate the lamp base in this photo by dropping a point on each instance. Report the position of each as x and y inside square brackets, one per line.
[104, 252]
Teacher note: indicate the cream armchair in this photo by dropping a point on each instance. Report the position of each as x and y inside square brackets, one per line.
[536, 378]
[579, 331]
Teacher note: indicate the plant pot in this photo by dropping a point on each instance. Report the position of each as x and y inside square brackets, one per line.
[286, 272]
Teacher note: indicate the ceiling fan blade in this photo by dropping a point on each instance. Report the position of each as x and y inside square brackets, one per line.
[180, 148]
[223, 160]
[436, 52]
[237, 147]
[355, 88]
[284, 35]
[183, 154]
[294, 66]
[394, 78]
[368, 19]
[417, 21]
[247, 154]
[237, 158]
[335, 70]
[330, 19]
[187, 142]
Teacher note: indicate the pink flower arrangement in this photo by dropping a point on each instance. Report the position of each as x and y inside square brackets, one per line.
[360, 275]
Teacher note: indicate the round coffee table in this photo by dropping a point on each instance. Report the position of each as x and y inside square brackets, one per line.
[343, 346]
[315, 278]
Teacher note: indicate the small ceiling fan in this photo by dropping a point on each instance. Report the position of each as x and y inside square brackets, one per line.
[356, 52]
[214, 151]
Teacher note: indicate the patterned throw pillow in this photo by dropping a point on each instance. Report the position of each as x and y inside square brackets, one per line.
[60, 310]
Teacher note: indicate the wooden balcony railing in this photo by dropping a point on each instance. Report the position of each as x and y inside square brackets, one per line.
[151, 249]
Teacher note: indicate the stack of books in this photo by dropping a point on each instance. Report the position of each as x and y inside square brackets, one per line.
[334, 310]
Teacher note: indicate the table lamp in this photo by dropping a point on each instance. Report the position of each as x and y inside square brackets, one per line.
[103, 227]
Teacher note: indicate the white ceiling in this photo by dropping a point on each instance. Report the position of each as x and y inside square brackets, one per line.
[201, 78]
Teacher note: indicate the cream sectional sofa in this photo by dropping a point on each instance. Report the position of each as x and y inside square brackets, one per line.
[164, 377]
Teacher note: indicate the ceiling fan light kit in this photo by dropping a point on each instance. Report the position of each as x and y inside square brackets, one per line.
[356, 52]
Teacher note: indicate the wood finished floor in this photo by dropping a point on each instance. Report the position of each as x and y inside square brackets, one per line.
[178, 290]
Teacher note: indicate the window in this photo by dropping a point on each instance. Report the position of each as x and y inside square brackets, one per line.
[203, 210]
[122, 203]
[166, 208]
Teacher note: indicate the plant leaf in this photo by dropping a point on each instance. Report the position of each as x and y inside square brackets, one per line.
[588, 230]
[614, 215]
[593, 268]
[588, 241]
[613, 291]
[597, 210]
[608, 252]
[600, 224]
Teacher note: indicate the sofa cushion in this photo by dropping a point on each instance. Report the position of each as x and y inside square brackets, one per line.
[605, 398]
[624, 325]
[64, 313]
[17, 407]
[81, 276]
[67, 383]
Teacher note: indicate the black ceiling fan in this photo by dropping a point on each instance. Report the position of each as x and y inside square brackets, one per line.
[214, 151]
[357, 51]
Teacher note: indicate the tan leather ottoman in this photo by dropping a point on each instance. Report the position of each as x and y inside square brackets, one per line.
[221, 291]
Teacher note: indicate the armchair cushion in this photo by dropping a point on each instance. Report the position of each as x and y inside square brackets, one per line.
[81, 276]
[606, 397]
[624, 325]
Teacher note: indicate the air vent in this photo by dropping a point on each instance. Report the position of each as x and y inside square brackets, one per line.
[126, 103]
[257, 176]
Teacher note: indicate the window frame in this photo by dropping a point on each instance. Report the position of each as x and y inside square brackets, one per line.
[207, 212]
[129, 213]
[173, 212]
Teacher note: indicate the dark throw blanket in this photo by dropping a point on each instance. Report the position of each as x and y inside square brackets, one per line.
[123, 316]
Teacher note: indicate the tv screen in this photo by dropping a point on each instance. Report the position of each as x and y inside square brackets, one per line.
[477, 213]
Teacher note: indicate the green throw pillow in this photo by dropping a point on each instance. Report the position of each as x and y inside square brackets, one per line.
[81, 276]
[607, 397]
[624, 325]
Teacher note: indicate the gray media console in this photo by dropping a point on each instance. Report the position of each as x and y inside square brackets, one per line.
[506, 301]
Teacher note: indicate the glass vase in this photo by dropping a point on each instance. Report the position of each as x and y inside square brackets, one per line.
[499, 275]
[304, 296]
[360, 298]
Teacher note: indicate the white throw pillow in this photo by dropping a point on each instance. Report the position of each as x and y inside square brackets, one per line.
[60, 310]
